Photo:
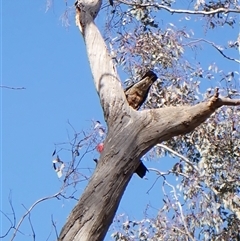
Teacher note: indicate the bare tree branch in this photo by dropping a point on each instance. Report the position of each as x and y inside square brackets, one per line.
[12, 88]
[165, 123]
[230, 102]
[13, 223]
[181, 211]
[29, 210]
[216, 47]
[164, 174]
[159, 6]
[179, 155]
[31, 225]
[54, 225]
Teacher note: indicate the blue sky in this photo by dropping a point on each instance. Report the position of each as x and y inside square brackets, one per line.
[49, 61]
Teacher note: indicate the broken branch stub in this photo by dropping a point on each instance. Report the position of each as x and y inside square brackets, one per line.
[86, 12]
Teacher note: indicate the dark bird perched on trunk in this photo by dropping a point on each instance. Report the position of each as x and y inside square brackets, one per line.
[136, 94]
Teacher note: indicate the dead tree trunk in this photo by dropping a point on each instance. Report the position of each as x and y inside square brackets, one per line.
[130, 135]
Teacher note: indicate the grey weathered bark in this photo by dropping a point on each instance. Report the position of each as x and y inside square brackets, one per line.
[130, 135]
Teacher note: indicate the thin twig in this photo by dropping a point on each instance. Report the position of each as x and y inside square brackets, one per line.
[30, 209]
[12, 88]
[163, 174]
[178, 155]
[13, 223]
[55, 228]
[31, 225]
[159, 6]
[180, 209]
[215, 46]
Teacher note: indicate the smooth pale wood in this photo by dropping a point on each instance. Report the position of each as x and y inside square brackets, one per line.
[106, 80]
[130, 135]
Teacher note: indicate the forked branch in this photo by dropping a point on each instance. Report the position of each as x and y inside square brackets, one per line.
[131, 134]
[165, 123]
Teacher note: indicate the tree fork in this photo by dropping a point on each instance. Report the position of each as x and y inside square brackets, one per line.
[130, 135]
[95, 210]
